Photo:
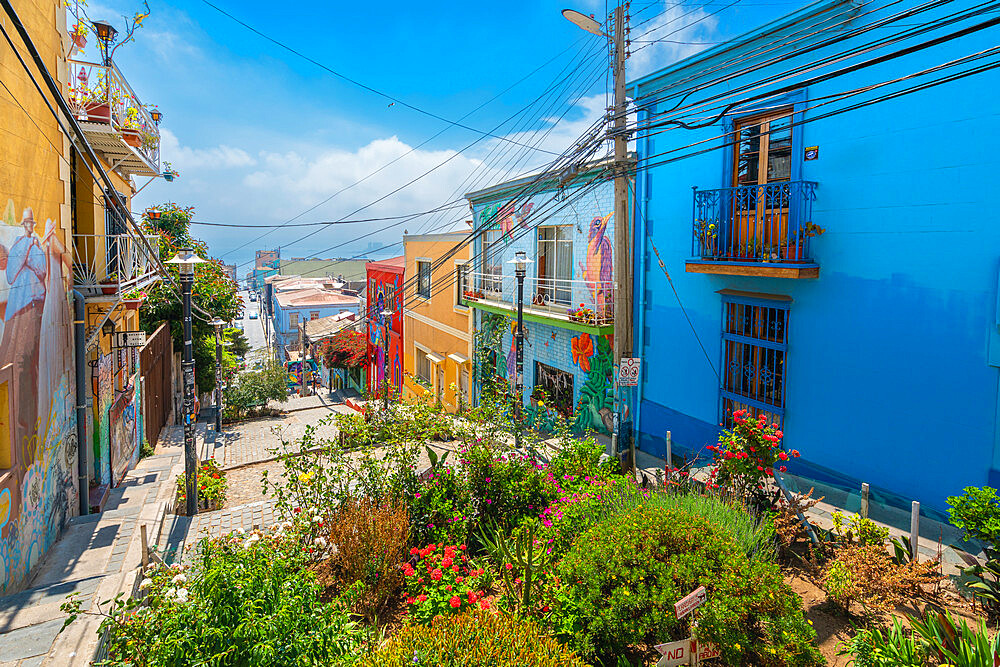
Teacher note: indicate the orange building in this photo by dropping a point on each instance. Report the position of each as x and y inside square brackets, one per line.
[437, 356]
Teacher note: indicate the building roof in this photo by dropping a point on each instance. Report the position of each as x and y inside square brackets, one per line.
[324, 327]
[315, 297]
[543, 181]
[395, 264]
[297, 283]
[274, 277]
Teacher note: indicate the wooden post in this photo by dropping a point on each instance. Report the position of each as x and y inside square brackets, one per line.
[669, 458]
[914, 528]
[864, 500]
[145, 546]
[694, 637]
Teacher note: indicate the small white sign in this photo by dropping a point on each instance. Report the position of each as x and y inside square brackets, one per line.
[674, 653]
[690, 602]
[628, 372]
[130, 339]
[708, 650]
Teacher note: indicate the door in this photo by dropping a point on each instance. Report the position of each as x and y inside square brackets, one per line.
[761, 173]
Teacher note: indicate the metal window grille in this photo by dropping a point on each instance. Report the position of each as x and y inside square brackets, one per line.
[754, 348]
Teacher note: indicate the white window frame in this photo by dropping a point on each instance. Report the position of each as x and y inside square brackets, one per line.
[430, 269]
[460, 266]
[419, 351]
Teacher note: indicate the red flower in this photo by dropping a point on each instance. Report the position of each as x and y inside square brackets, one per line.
[783, 469]
[448, 588]
[760, 469]
[458, 580]
[795, 453]
[436, 575]
[422, 597]
[446, 563]
[484, 604]
[455, 602]
[783, 456]
[414, 551]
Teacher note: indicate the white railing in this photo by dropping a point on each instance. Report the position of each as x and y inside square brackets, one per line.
[100, 94]
[584, 301]
[112, 264]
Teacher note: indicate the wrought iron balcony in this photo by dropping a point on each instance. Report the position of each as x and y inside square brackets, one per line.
[110, 265]
[576, 301]
[755, 230]
[114, 120]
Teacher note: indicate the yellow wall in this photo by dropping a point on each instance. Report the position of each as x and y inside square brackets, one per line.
[38, 486]
[436, 324]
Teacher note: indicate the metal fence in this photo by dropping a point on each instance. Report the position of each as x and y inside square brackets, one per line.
[589, 302]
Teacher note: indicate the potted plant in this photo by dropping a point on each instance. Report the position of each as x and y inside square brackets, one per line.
[707, 236]
[134, 298]
[79, 35]
[794, 249]
[109, 285]
[130, 128]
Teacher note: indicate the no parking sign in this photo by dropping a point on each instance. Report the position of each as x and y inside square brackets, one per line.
[628, 372]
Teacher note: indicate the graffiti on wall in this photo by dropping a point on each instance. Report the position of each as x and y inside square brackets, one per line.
[594, 409]
[102, 434]
[37, 473]
[597, 271]
[385, 293]
[507, 216]
[124, 434]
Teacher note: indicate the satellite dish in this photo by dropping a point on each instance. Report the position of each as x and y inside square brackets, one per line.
[582, 20]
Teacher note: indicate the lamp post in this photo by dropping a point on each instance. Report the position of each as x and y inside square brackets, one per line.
[386, 316]
[106, 34]
[520, 263]
[185, 261]
[217, 323]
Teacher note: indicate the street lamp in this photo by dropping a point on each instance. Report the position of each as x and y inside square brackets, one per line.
[386, 316]
[156, 115]
[185, 261]
[520, 263]
[217, 323]
[106, 34]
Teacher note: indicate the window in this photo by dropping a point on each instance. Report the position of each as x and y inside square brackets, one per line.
[555, 265]
[764, 149]
[424, 278]
[461, 282]
[314, 315]
[423, 366]
[492, 280]
[293, 319]
[754, 344]
[557, 387]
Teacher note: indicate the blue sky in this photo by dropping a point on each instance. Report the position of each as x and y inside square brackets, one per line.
[260, 135]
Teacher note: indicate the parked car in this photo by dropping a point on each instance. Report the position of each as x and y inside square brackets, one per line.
[253, 296]
[253, 315]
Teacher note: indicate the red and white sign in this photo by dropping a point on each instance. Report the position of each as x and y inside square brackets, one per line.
[628, 372]
[674, 653]
[690, 602]
[708, 650]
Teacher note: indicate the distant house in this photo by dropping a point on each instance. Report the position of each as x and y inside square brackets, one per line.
[385, 334]
[292, 307]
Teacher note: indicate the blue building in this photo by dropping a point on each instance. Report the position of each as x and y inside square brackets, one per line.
[834, 249]
[566, 230]
[293, 307]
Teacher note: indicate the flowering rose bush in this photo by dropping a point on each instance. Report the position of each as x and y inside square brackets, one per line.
[212, 485]
[747, 456]
[439, 510]
[507, 488]
[440, 580]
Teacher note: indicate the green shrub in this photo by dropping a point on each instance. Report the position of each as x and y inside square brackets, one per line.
[439, 510]
[893, 647]
[476, 639]
[977, 512]
[508, 487]
[620, 580]
[443, 582]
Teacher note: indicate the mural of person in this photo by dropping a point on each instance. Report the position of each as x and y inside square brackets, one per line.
[55, 344]
[26, 269]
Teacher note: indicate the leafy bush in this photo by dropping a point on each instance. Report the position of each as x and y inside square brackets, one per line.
[439, 510]
[246, 601]
[859, 528]
[476, 639]
[869, 575]
[890, 648]
[977, 512]
[370, 539]
[621, 578]
[508, 487]
[254, 389]
[212, 485]
[441, 581]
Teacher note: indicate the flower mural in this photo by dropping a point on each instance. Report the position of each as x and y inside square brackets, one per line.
[582, 348]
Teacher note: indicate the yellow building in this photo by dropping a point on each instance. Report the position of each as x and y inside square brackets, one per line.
[437, 328]
[57, 237]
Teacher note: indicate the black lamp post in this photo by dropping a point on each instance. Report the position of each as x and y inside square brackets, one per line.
[185, 261]
[386, 316]
[217, 323]
[106, 34]
[520, 263]
[156, 115]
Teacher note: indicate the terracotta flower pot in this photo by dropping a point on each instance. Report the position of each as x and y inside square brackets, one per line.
[109, 288]
[132, 137]
[132, 304]
[98, 112]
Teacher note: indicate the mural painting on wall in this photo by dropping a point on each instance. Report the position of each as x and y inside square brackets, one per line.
[385, 293]
[124, 434]
[37, 480]
[597, 271]
[102, 434]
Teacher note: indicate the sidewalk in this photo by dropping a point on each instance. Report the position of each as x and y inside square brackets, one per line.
[96, 556]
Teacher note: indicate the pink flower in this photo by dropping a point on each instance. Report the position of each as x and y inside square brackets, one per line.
[455, 602]
[509, 566]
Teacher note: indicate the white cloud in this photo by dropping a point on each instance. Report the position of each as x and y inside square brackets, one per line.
[216, 157]
[683, 30]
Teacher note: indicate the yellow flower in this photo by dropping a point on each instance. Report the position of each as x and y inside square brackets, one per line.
[306, 477]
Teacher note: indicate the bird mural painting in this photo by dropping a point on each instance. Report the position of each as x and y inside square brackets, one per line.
[597, 271]
[509, 216]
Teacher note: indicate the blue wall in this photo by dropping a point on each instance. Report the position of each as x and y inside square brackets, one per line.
[888, 376]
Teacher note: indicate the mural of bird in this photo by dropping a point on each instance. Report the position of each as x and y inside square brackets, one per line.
[597, 271]
[510, 216]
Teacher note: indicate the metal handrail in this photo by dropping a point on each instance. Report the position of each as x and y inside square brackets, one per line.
[114, 262]
[769, 222]
[111, 101]
[589, 302]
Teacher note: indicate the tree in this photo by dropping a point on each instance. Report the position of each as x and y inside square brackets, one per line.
[238, 343]
[252, 389]
[213, 291]
[346, 349]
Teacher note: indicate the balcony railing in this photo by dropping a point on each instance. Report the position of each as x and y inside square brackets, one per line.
[121, 125]
[113, 264]
[582, 301]
[754, 223]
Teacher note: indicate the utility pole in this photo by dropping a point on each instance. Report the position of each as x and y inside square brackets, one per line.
[622, 438]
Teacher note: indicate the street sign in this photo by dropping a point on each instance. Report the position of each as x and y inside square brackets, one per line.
[674, 653]
[689, 603]
[628, 374]
[130, 339]
[707, 650]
